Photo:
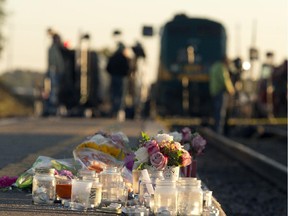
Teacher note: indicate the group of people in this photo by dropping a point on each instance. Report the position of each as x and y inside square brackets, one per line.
[122, 69]
[271, 90]
[62, 82]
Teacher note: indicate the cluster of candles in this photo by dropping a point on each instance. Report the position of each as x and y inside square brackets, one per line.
[151, 194]
[182, 196]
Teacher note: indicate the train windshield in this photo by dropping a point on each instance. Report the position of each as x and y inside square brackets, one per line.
[192, 44]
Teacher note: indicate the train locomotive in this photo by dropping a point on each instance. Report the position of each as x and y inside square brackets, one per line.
[189, 46]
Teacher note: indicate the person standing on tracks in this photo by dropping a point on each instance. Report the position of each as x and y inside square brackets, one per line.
[279, 82]
[118, 67]
[135, 78]
[265, 88]
[56, 67]
[219, 85]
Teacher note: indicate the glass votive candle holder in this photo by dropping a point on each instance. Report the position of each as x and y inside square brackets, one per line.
[80, 194]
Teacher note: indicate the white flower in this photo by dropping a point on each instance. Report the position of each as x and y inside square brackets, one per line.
[163, 137]
[142, 155]
[178, 145]
[176, 135]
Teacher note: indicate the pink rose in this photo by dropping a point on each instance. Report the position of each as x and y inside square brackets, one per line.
[158, 160]
[186, 159]
[152, 147]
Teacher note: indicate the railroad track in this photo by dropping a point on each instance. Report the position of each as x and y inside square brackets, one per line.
[244, 181]
[265, 166]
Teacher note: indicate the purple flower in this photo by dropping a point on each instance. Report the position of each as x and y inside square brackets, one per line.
[198, 144]
[129, 161]
[66, 173]
[6, 181]
[186, 134]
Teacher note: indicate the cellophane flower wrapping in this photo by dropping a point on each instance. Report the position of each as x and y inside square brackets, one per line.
[102, 150]
[60, 165]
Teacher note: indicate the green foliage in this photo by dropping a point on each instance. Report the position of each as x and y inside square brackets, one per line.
[22, 78]
[145, 136]
[174, 156]
[12, 105]
[2, 19]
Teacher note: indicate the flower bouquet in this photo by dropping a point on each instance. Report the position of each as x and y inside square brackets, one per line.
[160, 152]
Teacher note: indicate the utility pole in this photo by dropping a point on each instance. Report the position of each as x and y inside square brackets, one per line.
[238, 40]
[253, 51]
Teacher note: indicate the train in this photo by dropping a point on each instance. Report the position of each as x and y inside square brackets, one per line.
[188, 48]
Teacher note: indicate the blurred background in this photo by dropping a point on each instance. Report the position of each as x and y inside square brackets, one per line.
[253, 29]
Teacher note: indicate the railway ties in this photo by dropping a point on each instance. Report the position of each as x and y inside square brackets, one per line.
[263, 165]
[239, 168]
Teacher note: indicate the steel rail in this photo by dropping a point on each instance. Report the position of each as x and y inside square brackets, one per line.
[263, 165]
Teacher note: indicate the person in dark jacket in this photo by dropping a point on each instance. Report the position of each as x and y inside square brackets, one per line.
[119, 68]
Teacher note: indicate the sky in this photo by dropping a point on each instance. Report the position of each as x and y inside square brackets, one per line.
[27, 21]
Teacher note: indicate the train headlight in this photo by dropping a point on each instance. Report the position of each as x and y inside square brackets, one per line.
[246, 65]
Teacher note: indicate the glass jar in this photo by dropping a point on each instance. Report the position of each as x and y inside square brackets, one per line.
[190, 189]
[165, 198]
[43, 186]
[87, 174]
[135, 179]
[122, 195]
[208, 208]
[96, 189]
[154, 176]
[146, 193]
[111, 180]
[95, 194]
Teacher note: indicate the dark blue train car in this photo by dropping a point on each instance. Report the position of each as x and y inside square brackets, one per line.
[189, 46]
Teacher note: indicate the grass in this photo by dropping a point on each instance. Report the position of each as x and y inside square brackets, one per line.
[12, 105]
